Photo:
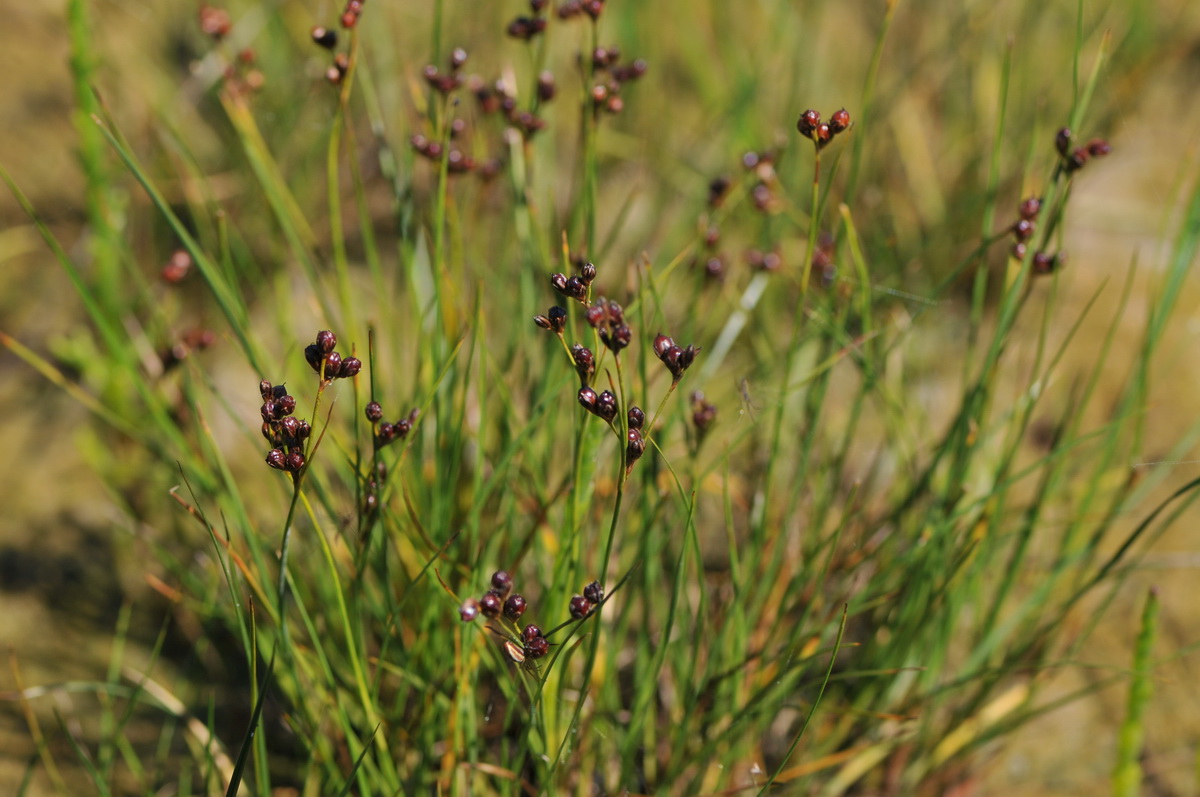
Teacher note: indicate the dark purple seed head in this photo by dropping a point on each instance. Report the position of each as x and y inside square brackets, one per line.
[402, 427]
[594, 592]
[491, 605]
[266, 390]
[1062, 141]
[312, 354]
[326, 341]
[593, 8]
[502, 582]
[386, 433]
[324, 37]
[349, 368]
[597, 314]
[1030, 207]
[277, 459]
[588, 272]
[536, 648]
[333, 363]
[636, 417]
[1023, 229]
[839, 121]
[577, 288]
[285, 405]
[374, 412]
[530, 631]
[295, 462]
[303, 431]
[542, 321]
[619, 338]
[606, 405]
[1046, 263]
[585, 363]
[559, 281]
[807, 124]
[546, 87]
[580, 607]
[635, 447]
[558, 319]
[290, 425]
[514, 607]
[469, 610]
[662, 344]
[589, 399]
[268, 411]
[616, 314]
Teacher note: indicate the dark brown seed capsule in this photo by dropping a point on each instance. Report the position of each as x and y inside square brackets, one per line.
[585, 363]
[267, 411]
[546, 87]
[1098, 148]
[266, 390]
[807, 124]
[312, 353]
[662, 344]
[537, 647]
[502, 582]
[469, 610]
[839, 121]
[491, 605]
[514, 607]
[295, 462]
[304, 431]
[333, 363]
[589, 399]
[326, 341]
[594, 592]
[718, 187]
[635, 447]
[636, 417]
[386, 432]
[606, 405]
[542, 321]
[285, 405]
[374, 412]
[277, 459]
[350, 367]
[1023, 229]
[290, 425]
[580, 607]
[1030, 207]
[530, 631]
[558, 319]
[559, 281]
[324, 37]
[577, 288]
[588, 272]
[1062, 141]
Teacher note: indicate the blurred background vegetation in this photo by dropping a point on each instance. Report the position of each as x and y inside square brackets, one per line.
[724, 79]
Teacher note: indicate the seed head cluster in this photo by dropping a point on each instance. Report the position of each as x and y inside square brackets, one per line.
[328, 363]
[286, 433]
[821, 133]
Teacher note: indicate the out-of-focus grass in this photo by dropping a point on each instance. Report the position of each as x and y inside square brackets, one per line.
[905, 443]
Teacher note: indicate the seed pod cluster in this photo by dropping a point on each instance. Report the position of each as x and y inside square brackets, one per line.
[575, 287]
[602, 405]
[524, 28]
[611, 75]
[286, 433]
[555, 320]
[328, 363]
[607, 317]
[1022, 231]
[447, 82]
[388, 432]
[1075, 158]
[821, 133]
[677, 358]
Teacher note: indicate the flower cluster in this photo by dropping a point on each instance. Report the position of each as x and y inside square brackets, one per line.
[328, 363]
[525, 28]
[575, 287]
[286, 433]
[386, 432]
[608, 319]
[611, 75]
[1023, 230]
[446, 82]
[821, 133]
[327, 38]
[676, 358]
[555, 320]
[524, 643]
[1075, 158]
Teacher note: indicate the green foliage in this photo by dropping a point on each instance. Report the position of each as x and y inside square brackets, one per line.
[833, 586]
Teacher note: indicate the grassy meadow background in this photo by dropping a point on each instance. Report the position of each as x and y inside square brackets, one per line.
[849, 585]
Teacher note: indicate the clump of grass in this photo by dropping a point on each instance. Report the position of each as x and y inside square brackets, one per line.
[808, 582]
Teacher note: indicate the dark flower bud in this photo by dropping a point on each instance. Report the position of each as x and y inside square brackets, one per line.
[606, 405]
[303, 431]
[350, 367]
[501, 582]
[491, 605]
[585, 363]
[326, 341]
[530, 631]
[284, 406]
[824, 135]
[618, 338]
[546, 87]
[597, 314]
[525, 28]
[402, 427]
[839, 121]
[629, 72]
[662, 344]
[599, 94]
[615, 312]
[635, 446]
[387, 432]
[333, 363]
[268, 411]
[1062, 141]
[312, 353]
[266, 390]
[1030, 207]
[558, 319]
[588, 272]
[577, 288]
[636, 417]
[807, 124]
[589, 399]
[469, 610]
[374, 412]
[290, 425]
[559, 281]
[295, 462]
[594, 592]
[325, 38]
[514, 607]
[277, 459]
[1023, 229]
[537, 647]
[580, 607]
[542, 321]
